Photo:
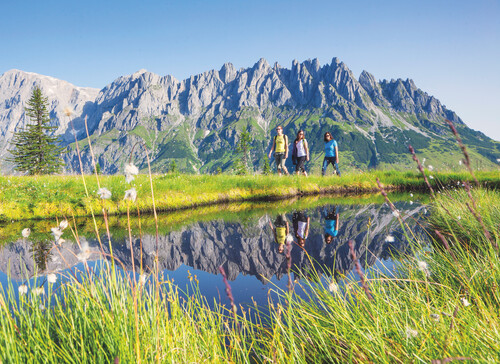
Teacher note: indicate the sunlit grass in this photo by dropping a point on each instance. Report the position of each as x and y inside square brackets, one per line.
[55, 196]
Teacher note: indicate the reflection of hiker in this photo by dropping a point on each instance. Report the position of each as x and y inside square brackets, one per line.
[331, 154]
[280, 147]
[300, 153]
[300, 224]
[280, 231]
[331, 224]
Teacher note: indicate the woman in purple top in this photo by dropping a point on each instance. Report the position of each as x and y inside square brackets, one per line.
[331, 154]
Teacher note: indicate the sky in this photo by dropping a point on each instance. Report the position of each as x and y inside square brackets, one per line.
[451, 49]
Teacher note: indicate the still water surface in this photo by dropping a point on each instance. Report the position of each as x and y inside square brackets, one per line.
[244, 241]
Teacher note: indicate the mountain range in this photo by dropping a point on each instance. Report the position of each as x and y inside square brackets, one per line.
[197, 122]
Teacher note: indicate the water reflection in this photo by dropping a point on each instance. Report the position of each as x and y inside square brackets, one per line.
[253, 246]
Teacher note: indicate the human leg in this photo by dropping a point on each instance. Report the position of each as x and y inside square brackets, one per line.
[278, 159]
[336, 165]
[300, 165]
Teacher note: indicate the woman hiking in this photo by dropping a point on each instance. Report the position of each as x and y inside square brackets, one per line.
[280, 148]
[331, 154]
[301, 150]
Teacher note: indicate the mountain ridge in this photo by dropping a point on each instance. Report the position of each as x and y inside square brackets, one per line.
[197, 121]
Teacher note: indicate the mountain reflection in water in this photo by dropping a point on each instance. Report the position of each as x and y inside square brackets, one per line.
[252, 247]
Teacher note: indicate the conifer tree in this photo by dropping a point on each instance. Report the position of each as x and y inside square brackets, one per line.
[266, 170]
[243, 148]
[35, 149]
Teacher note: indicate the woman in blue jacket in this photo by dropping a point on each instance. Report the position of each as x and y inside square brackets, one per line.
[331, 154]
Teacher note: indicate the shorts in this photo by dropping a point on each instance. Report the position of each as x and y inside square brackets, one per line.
[300, 166]
[279, 158]
[280, 221]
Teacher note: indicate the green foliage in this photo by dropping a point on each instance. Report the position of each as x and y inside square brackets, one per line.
[266, 169]
[173, 167]
[35, 151]
[97, 169]
[243, 149]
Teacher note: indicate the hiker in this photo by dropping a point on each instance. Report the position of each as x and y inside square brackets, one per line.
[331, 224]
[300, 153]
[280, 231]
[331, 154]
[300, 224]
[280, 148]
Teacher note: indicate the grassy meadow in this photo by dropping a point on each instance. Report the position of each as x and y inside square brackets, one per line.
[27, 197]
[442, 304]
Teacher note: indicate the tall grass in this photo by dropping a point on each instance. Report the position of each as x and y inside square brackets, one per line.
[55, 196]
[90, 319]
[435, 307]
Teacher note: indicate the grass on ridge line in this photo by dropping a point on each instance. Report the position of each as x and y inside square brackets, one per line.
[25, 197]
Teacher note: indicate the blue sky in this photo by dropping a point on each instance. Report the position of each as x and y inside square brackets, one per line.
[451, 49]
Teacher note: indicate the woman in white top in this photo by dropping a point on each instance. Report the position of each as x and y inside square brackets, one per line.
[302, 152]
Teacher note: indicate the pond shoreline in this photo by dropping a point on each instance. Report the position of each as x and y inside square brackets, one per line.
[42, 197]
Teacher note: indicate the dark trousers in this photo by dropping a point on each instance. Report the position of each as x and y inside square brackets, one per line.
[327, 161]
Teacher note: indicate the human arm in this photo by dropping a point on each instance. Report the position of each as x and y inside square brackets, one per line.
[336, 154]
[306, 147]
[274, 231]
[306, 233]
[286, 147]
[287, 228]
[272, 148]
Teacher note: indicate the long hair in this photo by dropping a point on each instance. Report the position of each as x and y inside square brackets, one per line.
[298, 133]
[327, 133]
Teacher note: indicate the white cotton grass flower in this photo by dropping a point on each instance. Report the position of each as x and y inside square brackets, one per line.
[130, 195]
[104, 193]
[459, 217]
[411, 333]
[424, 267]
[411, 194]
[38, 291]
[85, 252]
[396, 213]
[41, 306]
[431, 168]
[411, 203]
[333, 286]
[26, 233]
[130, 171]
[60, 241]
[389, 239]
[63, 224]
[142, 279]
[464, 301]
[460, 162]
[498, 160]
[23, 289]
[431, 177]
[51, 278]
[57, 232]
